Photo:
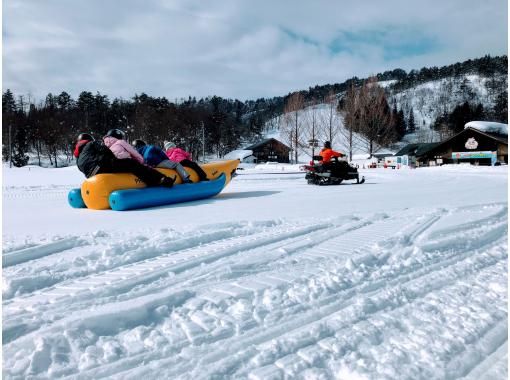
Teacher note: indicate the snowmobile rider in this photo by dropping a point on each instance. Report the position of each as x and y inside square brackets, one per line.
[94, 157]
[156, 158]
[327, 153]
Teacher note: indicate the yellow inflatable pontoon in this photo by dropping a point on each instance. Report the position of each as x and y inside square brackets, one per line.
[96, 190]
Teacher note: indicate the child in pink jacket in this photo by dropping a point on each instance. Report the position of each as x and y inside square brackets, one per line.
[184, 158]
[114, 140]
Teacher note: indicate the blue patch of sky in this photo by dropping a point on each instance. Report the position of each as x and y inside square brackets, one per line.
[394, 43]
[300, 37]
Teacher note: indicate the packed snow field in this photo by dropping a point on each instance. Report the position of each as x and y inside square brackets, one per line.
[404, 277]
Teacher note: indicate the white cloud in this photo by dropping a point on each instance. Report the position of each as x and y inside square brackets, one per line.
[234, 48]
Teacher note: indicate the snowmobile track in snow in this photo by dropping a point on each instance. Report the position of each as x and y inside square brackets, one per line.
[209, 293]
[36, 252]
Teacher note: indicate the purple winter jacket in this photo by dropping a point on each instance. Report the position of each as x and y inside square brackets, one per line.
[122, 149]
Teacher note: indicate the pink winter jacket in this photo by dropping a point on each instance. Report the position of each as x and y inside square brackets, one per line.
[122, 149]
[177, 155]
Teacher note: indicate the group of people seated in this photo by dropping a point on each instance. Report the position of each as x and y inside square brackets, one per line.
[113, 154]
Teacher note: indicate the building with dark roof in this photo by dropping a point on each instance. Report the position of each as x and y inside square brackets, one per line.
[470, 145]
[270, 150]
[416, 150]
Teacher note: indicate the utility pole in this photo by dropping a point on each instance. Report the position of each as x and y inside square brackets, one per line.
[291, 143]
[10, 147]
[203, 141]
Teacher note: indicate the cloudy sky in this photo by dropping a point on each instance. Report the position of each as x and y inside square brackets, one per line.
[234, 48]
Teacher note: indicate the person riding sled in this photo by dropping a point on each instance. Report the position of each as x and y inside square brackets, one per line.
[184, 158]
[327, 153]
[115, 140]
[156, 158]
[329, 161]
[94, 157]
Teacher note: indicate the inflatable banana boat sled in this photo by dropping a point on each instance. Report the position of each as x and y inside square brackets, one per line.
[124, 191]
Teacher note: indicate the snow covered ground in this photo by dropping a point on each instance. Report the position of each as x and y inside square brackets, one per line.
[404, 277]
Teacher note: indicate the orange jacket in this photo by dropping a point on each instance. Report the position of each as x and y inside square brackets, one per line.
[329, 153]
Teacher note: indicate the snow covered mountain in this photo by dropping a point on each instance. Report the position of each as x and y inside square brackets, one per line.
[430, 99]
[426, 94]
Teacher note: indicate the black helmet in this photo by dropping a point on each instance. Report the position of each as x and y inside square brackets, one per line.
[138, 143]
[327, 145]
[117, 133]
[84, 136]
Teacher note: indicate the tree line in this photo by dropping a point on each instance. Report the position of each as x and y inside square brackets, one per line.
[214, 125]
[206, 126]
[486, 66]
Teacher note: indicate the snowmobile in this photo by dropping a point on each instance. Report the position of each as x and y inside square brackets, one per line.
[332, 173]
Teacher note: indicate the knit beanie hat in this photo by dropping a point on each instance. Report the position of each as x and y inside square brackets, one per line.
[169, 145]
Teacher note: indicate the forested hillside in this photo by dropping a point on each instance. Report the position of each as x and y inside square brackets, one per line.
[434, 98]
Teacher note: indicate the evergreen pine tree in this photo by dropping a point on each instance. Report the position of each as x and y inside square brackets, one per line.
[8, 121]
[402, 122]
[501, 108]
[8, 102]
[411, 125]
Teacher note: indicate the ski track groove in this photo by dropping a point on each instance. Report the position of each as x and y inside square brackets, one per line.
[498, 358]
[290, 242]
[36, 252]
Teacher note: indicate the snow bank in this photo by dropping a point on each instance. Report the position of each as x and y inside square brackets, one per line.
[272, 167]
[488, 126]
[239, 154]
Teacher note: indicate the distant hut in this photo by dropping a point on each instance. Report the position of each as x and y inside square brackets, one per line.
[270, 150]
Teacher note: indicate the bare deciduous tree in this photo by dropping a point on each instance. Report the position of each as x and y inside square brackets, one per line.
[312, 125]
[366, 111]
[292, 125]
[330, 121]
[350, 110]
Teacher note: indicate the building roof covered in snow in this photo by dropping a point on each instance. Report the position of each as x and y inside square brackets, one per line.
[239, 154]
[416, 149]
[383, 153]
[488, 127]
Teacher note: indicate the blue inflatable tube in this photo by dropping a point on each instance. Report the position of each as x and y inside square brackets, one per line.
[75, 200]
[121, 200]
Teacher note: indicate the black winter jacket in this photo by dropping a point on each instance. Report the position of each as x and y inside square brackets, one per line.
[92, 156]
